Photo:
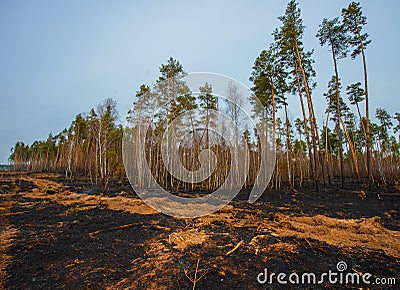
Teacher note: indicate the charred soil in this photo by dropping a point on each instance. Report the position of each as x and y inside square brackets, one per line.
[56, 233]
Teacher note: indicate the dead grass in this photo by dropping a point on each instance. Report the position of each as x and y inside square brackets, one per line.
[7, 236]
[59, 194]
[366, 233]
[183, 239]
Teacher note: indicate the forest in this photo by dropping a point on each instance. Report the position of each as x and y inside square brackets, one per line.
[346, 146]
[207, 184]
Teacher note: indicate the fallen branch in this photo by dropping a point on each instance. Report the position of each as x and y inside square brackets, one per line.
[246, 226]
[235, 248]
[253, 243]
[359, 273]
[308, 242]
[155, 227]
[113, 229]
[315, 248]
[253, 240]
[16, 213]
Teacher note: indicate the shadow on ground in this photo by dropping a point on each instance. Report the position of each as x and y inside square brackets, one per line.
[90, 246]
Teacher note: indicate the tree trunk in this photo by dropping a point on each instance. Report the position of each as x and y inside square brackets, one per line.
[312, 118]
[338, 118]
[367, 129]
[288, 148]
[305, 122]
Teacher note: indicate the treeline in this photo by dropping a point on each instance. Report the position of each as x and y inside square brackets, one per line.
[346, 145]
[90, 147]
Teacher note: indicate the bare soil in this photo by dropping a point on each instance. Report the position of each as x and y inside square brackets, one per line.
[56, 233]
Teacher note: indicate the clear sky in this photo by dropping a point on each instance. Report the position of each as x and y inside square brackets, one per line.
[60, 58]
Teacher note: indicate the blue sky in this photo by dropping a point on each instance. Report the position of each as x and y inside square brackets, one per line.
[60, 58]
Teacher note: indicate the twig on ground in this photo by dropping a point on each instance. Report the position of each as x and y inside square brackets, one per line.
[359, 273]
[308, 242]
[235, 248]
[194, 280]
[92, 234]
[155, 227]
[253, 240]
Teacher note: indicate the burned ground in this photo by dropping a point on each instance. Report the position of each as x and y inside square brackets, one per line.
[55, 233]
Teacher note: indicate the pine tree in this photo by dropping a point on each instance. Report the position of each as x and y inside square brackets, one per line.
[356, 95]
[288, 39]
[353, 23]
[209, 104]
